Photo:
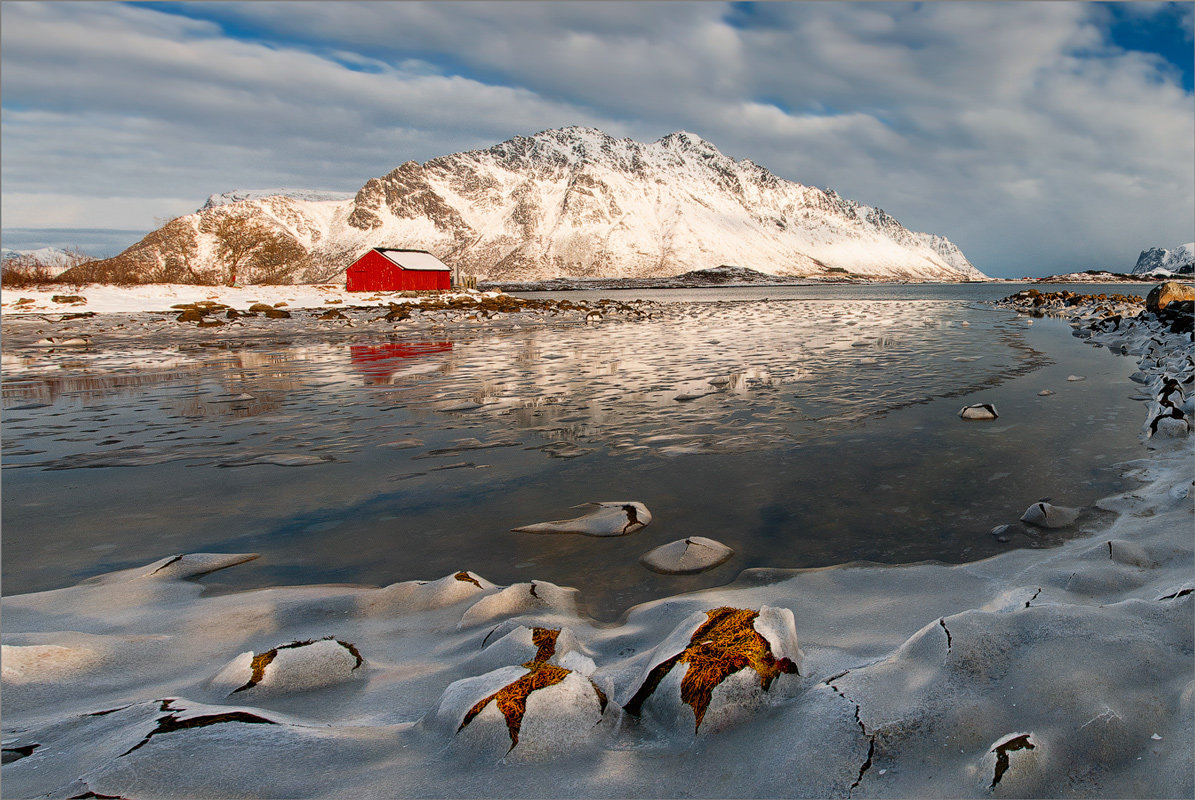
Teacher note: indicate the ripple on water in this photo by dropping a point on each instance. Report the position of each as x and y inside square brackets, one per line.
[806, 408]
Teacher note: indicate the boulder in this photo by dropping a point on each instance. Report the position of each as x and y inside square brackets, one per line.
[979, 411]
[1045, 515]
[717, 667]
[686, 556]
[610, 518]
[544, 706]
[292, 667]
[1166, 293]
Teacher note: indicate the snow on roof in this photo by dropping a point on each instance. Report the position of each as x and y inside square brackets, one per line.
[414, 259]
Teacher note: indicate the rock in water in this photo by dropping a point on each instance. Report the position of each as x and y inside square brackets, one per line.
[686, 556]
[1166, 293]
[979, 411]
[614, 518]
[1045, 515]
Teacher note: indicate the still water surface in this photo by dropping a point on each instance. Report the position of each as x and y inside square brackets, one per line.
[831, 435]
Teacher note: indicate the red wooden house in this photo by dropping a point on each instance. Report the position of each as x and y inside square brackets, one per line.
[386, 270]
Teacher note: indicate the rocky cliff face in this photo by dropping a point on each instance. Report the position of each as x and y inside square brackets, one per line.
[575, 202]
[1180, 260]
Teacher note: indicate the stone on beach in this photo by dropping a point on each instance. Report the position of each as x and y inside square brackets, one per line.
[1045, 515]
[537, 599]
[1170, 422]
[686, 556]
[531, 711]
[292, 667]
[1166, 293]
[979, 411]
[717, 668]
[410, 597]
[611, 518]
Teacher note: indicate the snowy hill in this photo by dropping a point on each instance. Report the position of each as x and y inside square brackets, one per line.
[1180, 260]
[309, 195]
[572, 202]
[53, 259]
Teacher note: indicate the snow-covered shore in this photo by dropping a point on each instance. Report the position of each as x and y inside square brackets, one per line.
[107, 298]
[1033, 673]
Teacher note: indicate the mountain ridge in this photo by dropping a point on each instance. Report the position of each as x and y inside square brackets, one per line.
[570, 202]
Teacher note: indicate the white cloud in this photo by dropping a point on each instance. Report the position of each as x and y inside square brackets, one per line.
[1013, 128]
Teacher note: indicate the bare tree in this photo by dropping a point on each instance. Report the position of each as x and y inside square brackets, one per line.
[248, 247]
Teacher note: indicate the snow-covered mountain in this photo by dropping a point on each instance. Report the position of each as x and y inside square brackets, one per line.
[238, 195]
[53, 259]
[1180, 260]
[572, 202]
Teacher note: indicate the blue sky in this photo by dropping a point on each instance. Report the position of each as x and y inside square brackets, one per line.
[1040, 137]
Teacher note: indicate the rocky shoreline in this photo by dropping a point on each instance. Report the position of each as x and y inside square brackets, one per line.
[1032, 673]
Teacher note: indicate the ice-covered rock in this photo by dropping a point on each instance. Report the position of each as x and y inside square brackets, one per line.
[536, 598]
[717, 667]
[511, 642]
[1169, 422]
[1045, 515]
[412, 596]
[610, 518]
[1009, 768]
[543, 707]
[979, 411]
[686, 556]
[292, 667]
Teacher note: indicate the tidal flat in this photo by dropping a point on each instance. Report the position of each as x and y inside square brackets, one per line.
[378, 468]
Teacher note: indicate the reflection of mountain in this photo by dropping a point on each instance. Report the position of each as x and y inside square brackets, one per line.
[377, 362]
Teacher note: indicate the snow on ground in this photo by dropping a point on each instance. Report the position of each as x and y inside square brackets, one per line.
[1063, 672]
[106, 298]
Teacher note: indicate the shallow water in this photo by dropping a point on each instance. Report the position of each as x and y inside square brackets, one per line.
[830, 434]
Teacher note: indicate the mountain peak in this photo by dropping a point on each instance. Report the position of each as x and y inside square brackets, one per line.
[577, 202]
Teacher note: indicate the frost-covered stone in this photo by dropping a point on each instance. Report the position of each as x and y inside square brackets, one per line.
[1010, 768]
[1170, 422]
[292, 667]
[1045, 515]
[686, 556]
[511, 642]
[412, 596]
[535, 710]
[717, 666]
[979, 411]
[610, 518]
[536, 598]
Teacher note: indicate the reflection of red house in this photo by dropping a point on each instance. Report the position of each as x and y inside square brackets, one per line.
[385, 270]
[379, 361]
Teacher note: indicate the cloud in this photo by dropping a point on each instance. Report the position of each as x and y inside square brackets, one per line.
[1018, 129]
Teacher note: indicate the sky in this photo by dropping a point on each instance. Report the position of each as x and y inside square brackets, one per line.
[1040, 137]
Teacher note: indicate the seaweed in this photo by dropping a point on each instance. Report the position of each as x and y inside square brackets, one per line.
[467, 578]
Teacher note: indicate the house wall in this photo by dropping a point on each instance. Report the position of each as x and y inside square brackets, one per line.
[373, 272]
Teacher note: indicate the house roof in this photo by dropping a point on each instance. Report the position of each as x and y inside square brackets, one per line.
[413, 259]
